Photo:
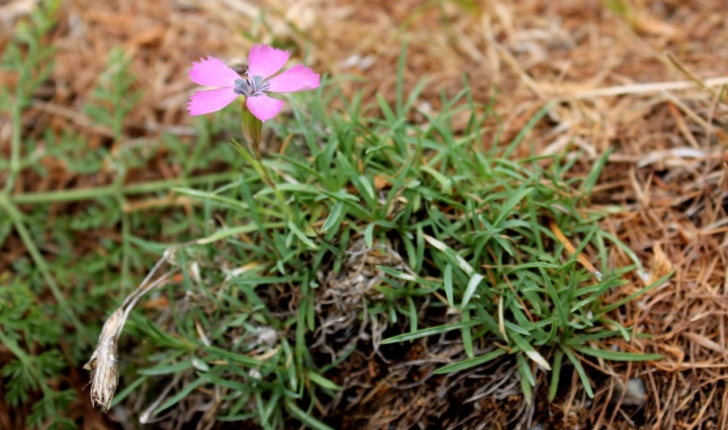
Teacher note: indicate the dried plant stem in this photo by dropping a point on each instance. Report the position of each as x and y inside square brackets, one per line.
[651, 87]
[104, 361]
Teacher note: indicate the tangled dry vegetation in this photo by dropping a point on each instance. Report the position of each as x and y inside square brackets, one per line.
[645, 79]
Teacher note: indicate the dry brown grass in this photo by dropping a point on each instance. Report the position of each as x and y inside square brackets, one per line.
[614, 86]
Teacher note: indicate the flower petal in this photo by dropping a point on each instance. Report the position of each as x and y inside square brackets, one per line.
[264, 107]
[297, 78]
[202, 102]
[213, 72]
[264, 60]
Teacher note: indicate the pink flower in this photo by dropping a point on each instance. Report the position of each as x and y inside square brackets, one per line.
[263, 62]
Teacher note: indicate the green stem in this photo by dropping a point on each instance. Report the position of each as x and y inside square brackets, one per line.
[14, 145]
[125, 246]
[92, 193]
[262, 170]
[279, 195]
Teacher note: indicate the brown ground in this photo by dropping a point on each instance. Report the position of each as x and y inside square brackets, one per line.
[607, 64]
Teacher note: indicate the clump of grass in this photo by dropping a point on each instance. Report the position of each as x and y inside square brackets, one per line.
[367, 230]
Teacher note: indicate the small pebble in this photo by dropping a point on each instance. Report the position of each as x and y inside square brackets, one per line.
[635, 394]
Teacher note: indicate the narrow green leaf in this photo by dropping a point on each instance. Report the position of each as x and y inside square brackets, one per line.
[367, 186]
[580, 370]
[237, 358]
[466, 335]
[304, 417]
[305, 239]
[591, 180]
[560, 311]
[507, 208]
[448, 285]
[412, 314]
[127, 390]
[369, 235]
[470, 290]
[429, 332]
[525, 370]
[471, 362]
[555, 374]
[526, 378]
[232, 231]
[167, 369]
[334, 217]
[524, 131]
[445, 182]
[187, 389]
[223, 382]
[524, 346]
[322, 382]
[616, 355]
[637, 293]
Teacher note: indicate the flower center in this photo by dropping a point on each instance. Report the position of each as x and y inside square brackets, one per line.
[251, 87]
